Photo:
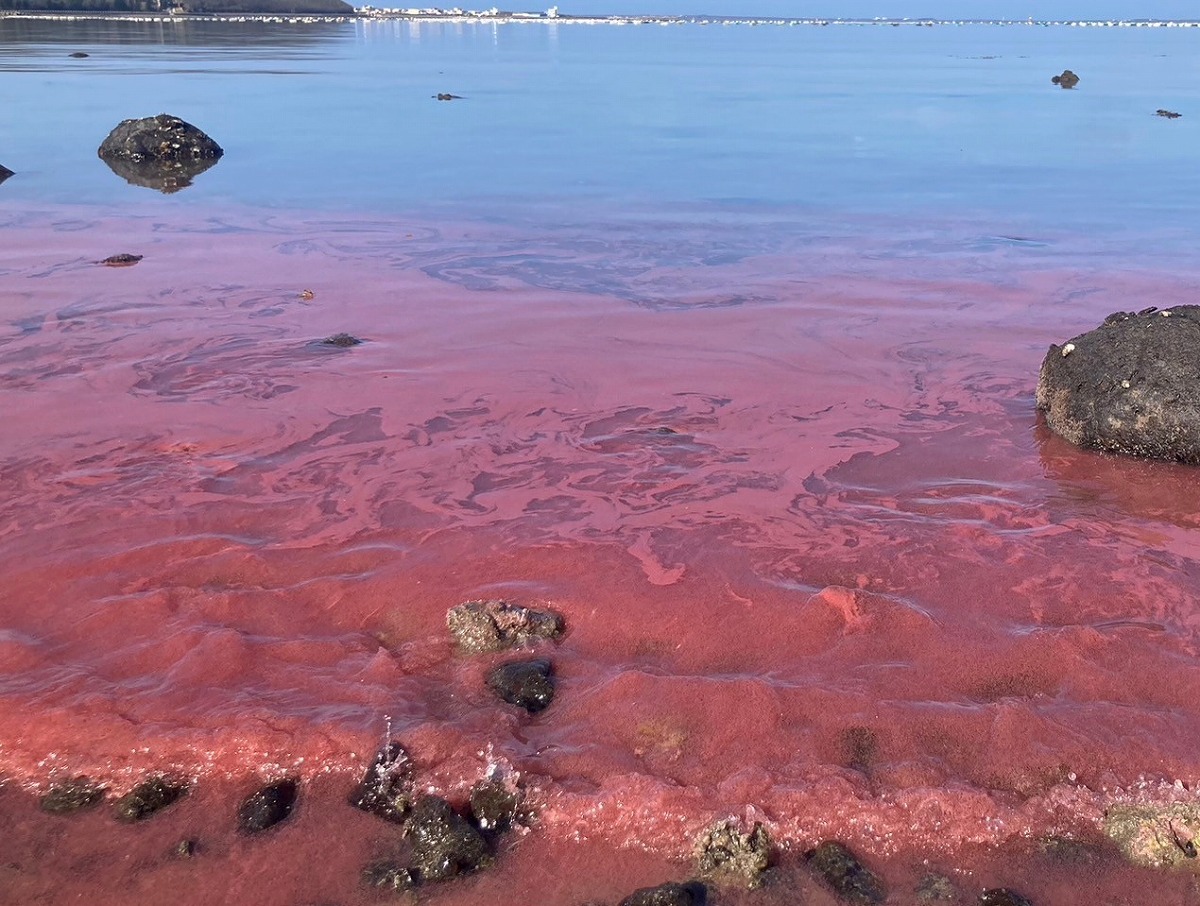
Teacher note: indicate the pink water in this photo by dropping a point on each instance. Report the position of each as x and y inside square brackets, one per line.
[777, 497]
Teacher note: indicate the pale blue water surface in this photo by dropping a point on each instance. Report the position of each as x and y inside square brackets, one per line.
[899, 121]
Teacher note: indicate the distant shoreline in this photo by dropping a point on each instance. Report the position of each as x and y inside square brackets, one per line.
[456, 16]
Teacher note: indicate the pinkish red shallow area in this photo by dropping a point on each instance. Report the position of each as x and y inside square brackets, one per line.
[820, 565]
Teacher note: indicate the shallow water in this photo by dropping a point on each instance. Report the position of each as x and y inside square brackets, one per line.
[776, 463]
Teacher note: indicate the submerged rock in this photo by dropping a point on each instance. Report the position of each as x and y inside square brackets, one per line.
[691, 894]
[849, 878]
[724, 851]
[159, 152]
[122, 260]
[936, 889]
[387, 876]
[495, 804]
[1130, 386]
[186, 848]
[386, 789]
[149, 797]
[1002, 896]
[1068, 79]
[265, 808]
[481, 626]
[526, 684]
[1158, 836]
[444, 843]
[74, 795]
[340, 340]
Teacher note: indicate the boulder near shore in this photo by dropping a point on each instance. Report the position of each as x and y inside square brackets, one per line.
[1130, 386]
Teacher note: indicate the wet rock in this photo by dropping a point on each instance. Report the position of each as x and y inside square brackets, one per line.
[1130, 386]
[1002, 896]
[341, 340]
[149, 797]
[386, 876]
[122, 260]
[1068, 79]
[495, 804]
[1153, 835]
[526, 684]
[480, 626]
[5, 173]
[691, 894]
[78, 54]
[859, 747]
[159, 152]
[386, 789]
[1169, 114]
[74, 795]
[849, 878]
[444, 843]
[724, 851]
[443, 96]
[936, 889]
[265, 808]
[185, 849]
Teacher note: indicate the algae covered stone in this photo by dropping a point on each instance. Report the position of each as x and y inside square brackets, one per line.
[725, 851]
[485, 626]
[1158, 836]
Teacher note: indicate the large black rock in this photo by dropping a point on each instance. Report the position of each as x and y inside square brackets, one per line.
[1130, 386]
[5, 173]
[159, 152]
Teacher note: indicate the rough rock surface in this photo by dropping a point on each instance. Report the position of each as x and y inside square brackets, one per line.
[849, 878]
[691, 894]
[1158, 836]
[724, 851]
[162, 137]
[1130, 386]
[149, 797]
[495, 804]
[265, 808]
[444, 843]
[1002, 896]
[74, 795]
[386, 789]
[481, 626]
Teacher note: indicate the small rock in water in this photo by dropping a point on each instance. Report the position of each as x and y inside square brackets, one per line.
[860, 746]
[848, 877]
[267, 807]
[495, 804]
[386, 789]
[444, 843]
[443, 96]
[78, 54]
[122, 260]
[480, 626]
[185, 849]
[5, 173]
[1068, 79]
[725, 851]
[1158, 836]
[526, 684]
[342, 341]
[1002, 896]
[1169, 114]
[692, 893]
[149, 797]
[74, 795]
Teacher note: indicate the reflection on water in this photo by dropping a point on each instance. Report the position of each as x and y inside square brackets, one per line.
[166, 176]
[205, 39]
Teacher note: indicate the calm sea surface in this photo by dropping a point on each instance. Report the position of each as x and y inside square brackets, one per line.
[719, 340]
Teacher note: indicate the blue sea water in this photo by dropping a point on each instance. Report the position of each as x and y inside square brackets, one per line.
[902, 121]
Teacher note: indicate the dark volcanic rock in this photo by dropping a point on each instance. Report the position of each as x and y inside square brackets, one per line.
[725, 851]
[480, 626]
[1002, 896]
[1130, 386]
[159, 152]
[5, 173]
[386, 876]
[444, 843]
[526, 684]
[691, 894]
[1169, 114]
[849, 878]
[387, 788]
[1068, 79]
[342, 341]
[495, 805]
[265, 808]
[122, 260]
[72, 795]
[149, 797]
[78, 54]
[444, 96]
